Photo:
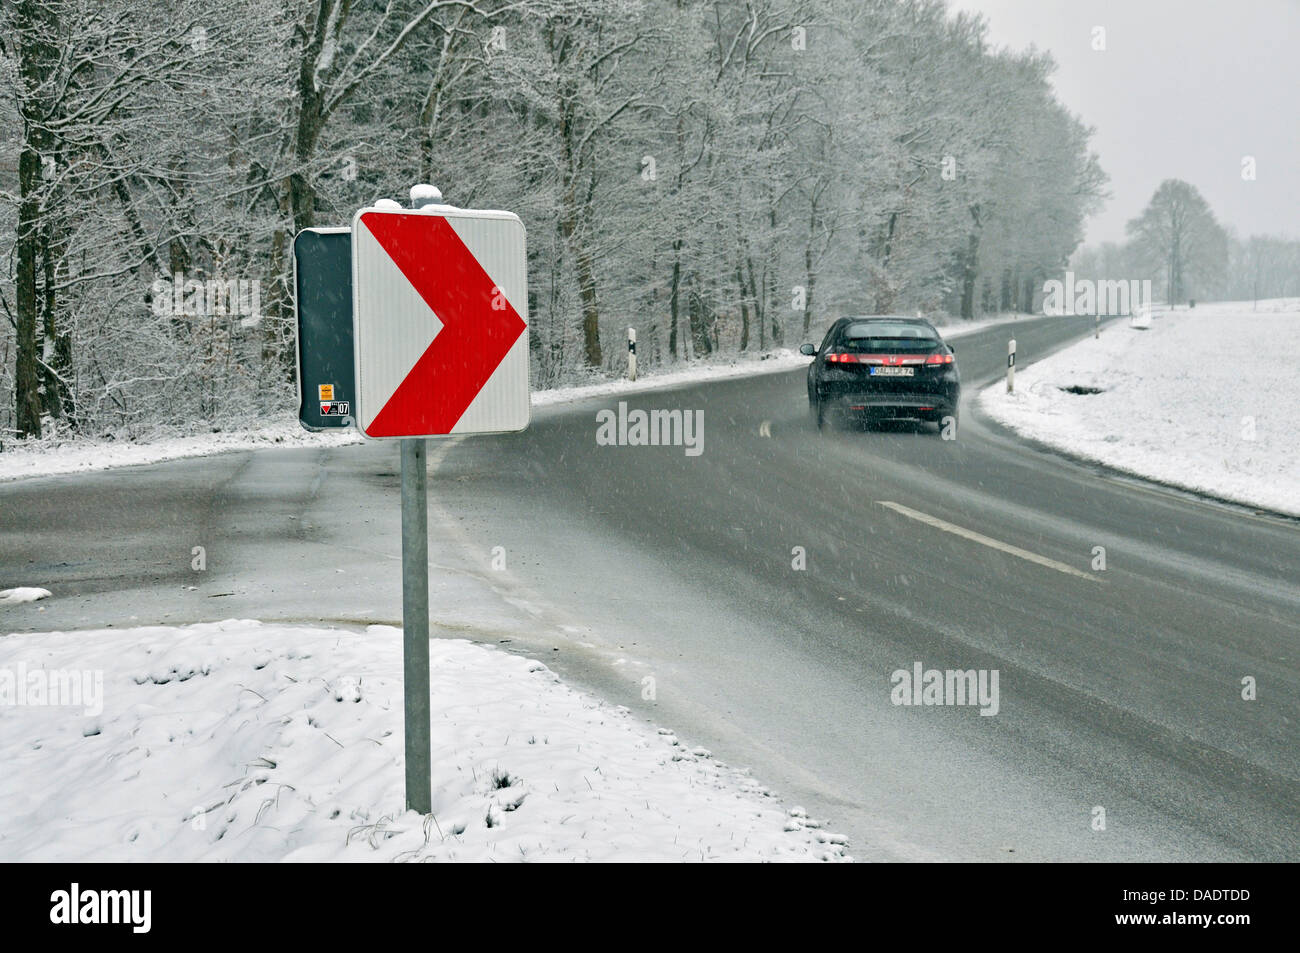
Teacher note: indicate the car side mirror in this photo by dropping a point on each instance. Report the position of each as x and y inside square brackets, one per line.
[807, 350]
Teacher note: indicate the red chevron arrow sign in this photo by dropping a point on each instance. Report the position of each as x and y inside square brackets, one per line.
[440, 321]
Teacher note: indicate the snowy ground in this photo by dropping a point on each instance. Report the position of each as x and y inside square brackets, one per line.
[51, 457]
[1205, 400]
[22, 459]
[242, 741]
[10, 597]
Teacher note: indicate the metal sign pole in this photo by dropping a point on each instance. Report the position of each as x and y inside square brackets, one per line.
[415, 624]
[415, 603]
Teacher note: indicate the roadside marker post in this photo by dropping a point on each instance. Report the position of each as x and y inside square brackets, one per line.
[439, 343]
[631, 354]
[1011, 366]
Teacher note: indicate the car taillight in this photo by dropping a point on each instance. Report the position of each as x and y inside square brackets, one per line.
[841, 358]
[939, 359]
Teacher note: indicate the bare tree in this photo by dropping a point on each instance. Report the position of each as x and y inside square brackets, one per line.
[1178, 230]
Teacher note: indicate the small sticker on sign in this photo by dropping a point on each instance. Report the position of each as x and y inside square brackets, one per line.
[336, 408]
[326, 392]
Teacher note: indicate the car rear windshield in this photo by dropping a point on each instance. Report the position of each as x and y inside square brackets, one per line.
[878, 337]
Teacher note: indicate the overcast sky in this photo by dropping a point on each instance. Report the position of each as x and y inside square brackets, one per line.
[1184, 90]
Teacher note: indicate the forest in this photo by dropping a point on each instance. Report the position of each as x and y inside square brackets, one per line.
[726, 176]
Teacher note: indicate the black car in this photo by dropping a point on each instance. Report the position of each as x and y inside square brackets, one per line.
[879, 368]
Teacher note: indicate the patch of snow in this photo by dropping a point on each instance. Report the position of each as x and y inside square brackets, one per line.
[9, 597]
[35, 458]
[959, 329]
[774, 362]
[424, 192]
[1203, 400]
[242, 741]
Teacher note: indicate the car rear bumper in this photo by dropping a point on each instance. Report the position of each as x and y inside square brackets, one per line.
[902, 404]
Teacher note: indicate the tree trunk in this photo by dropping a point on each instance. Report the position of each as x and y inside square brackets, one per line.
[27, 398]
[969, 267]
[810, 280]
[56, 366]
[674, 299]
[35, 21]
[758, 305]
[697, 309]
[302, 191]
[769, 290]
[590, 312]
[744, 310]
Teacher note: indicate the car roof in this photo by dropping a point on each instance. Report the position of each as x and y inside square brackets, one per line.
[891, 318]
[887, 319]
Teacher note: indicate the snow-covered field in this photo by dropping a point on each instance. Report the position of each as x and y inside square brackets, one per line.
[51, 457]
[1205, 399]
[242, 741]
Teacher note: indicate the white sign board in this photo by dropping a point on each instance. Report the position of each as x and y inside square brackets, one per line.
[440, 322]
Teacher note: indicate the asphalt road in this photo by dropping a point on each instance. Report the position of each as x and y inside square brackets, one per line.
[666, 582]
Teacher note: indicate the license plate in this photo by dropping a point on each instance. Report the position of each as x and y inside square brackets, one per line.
[893, 371]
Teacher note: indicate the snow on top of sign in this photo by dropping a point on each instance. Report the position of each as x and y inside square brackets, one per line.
[388, 204]
[425, 193]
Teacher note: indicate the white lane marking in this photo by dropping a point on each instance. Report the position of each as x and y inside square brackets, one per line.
[985, 540]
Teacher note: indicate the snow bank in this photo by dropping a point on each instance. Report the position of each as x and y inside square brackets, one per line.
[9, 597]
[772, 362]
[1205, 399]
[35, 458]
[242, 741]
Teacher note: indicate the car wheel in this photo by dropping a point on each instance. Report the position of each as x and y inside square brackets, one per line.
[821, 416]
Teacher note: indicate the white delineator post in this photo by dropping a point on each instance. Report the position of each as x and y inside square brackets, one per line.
[631, 354]
[1011, 366]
